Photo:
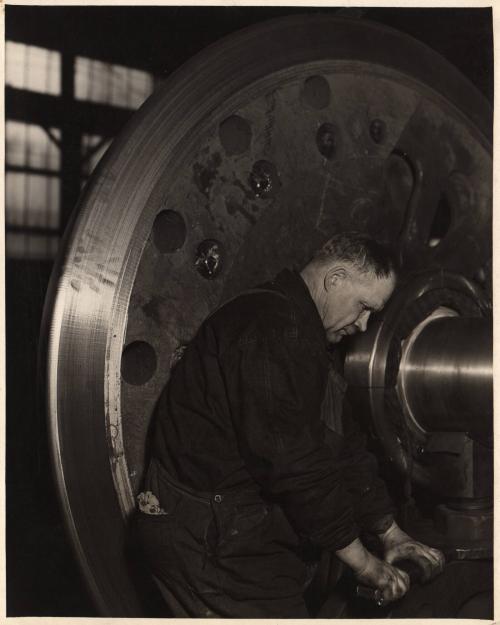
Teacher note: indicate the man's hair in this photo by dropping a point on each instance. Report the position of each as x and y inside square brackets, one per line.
[363, 252]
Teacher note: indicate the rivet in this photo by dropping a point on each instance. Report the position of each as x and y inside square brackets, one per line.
[264, 179]
[209, 258]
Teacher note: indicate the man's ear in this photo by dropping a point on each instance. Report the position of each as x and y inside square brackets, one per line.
[334, 276]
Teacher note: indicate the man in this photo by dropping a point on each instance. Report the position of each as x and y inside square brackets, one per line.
[255, 467]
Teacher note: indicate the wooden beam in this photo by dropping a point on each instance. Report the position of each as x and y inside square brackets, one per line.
[29, 169]
[41, 230]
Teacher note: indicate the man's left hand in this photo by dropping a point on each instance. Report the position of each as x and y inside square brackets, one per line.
[399, 546]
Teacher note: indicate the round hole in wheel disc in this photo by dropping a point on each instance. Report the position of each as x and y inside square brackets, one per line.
[138, 363]
[316, 92]
[169, 231]
[235, 135]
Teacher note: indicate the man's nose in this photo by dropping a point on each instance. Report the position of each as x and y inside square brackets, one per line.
[362, 321]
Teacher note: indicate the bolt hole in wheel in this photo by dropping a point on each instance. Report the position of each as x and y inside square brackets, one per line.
[169, 231]
[138, 363]
[316, 92]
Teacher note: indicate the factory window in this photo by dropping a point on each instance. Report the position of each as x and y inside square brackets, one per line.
[111, 84]
[32, 68]
[27, 245]
[32, 190]
[35, 171]
[32, 200]
[31, 146]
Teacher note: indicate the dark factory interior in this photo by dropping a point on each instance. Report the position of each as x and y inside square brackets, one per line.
[75, 76]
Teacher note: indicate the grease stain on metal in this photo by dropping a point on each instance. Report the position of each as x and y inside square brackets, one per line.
[378, 130]
[327, 140]
[321, 211]
[248, 194]
[204, 175]
[235, 135]
[152, 308]
[233, 207]
[362, 211]
[270, 120]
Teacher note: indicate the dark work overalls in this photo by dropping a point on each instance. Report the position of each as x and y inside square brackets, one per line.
[217, 554]
[251, 486]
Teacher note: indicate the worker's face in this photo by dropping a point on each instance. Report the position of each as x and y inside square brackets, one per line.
[350, 297]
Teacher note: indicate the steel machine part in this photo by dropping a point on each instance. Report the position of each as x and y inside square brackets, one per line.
[424, 374]
[244, 161]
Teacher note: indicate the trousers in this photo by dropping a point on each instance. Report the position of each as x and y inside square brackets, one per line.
[223, 554]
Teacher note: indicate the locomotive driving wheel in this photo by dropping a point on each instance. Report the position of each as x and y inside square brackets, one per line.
[244, 161]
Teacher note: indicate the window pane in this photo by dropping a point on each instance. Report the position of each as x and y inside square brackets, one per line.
[32, 68]
[31, 246]
[28, 145]
[15, 199]
[32, 200]
[111, 84]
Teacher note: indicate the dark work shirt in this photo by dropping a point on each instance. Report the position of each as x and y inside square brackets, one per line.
[254, 403]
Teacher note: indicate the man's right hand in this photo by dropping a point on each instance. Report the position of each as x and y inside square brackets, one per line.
[392, 582]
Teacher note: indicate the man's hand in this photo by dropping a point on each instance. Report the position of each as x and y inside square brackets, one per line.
[391, 582]
[399, 546]
[373, 572]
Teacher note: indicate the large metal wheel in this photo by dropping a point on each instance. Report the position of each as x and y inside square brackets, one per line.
[250, 156]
